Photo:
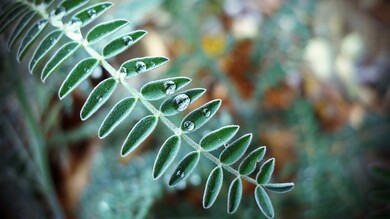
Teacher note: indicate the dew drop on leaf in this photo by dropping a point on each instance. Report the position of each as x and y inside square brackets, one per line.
[127, 40]
[206, 112]
[182, 101]
[92, 13]
[123, 70]
[140, 67]
[58, 13]
[226, 145]
[189, 125]
[41, 24]
[75, 23]
[153, 64]
[170, 87]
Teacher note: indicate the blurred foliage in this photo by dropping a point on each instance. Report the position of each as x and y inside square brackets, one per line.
[309, 78]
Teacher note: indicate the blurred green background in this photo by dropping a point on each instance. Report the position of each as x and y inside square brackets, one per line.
[310, 79]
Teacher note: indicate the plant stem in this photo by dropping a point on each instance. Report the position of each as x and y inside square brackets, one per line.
[114, 73]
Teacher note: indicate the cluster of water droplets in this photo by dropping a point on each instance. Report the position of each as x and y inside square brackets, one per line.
[182, 101]
[189, 125]
[170, 87]
[140, 66]
[56, 16]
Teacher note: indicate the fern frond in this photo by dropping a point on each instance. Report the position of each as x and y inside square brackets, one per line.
[173, 104]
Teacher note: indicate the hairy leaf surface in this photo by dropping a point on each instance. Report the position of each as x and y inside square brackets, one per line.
[266, 171]
[200, 116]
[137, 66]
[156, 90]
[184, 168]
[234, 152]
[166, 155]
[122, 43]
[179, 102]
[248, 165]
[138, 134]
[219, 137]
[98, 97]
[58, 58]
[105, 29]
[44, 47]
[30, 37]
[213, 186]
[234, 195]
[79, 73]
[264, 202]
[117, 114]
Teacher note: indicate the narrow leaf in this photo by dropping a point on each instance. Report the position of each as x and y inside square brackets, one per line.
[20, 28]
[105, 29]
[79, 73]
[279, 187]
[264, 202]
[117, 114]
[213, 187]
[98, 97]
[184, 168]
[181, 101]
[266, 171]
[234, 196]
[248, 165]
[138, 134]
[30, 37]
[200, 116]
[219, 137]
[44, 47]
[166, 155]
[156, 90]
[91, 13]
[141, 65]
[13, 14]
[122, 43]
[68, 6]
[7, 9]
[58, 58]
[234, 152]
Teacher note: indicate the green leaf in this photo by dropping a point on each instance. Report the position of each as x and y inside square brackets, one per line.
[67, 7]
[181, 101]
[266, 171]
[219, 137]
[166, 155]
[248, 165]
[156, 90]
[213, 187]
[105, 29]
[117, 114]
[200, 116]
[138, 134]
[58, 58]
[264, 202]
[20, 28]
[7, 9]
[98, 97]
[234, 195]
[79, 73]
[184, 168]
[141, 65]
[234, 152]
[122, 43]
[30, 38]
[90, 14]
[12, 15]
[279, 187]
[44, 47]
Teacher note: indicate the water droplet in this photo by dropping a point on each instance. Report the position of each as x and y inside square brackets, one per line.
[140, 67]
[75, 23]
[127, 39]
[226, 145]
[189, 125]
[180, 174]
[58, 13]
[41, 24]
[123, 70]
[153, 64]
[170, 87]
[206, 112]
[182, 101]
[92, 13]
[51, 40]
